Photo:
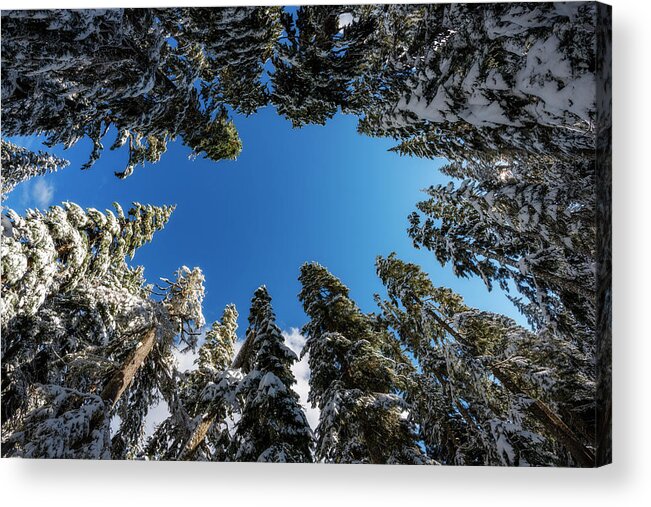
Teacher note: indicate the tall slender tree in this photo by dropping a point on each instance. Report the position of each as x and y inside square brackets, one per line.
[93, 333]
[51, 252]
[479, 82]
[231, 47]
[316, 64]
[540, 239]
[357, 374]
[146, 372]
[534, 385]
[272, 426]
[197, 426]
[121, 68]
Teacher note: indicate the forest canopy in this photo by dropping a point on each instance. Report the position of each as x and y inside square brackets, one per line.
[515, 98]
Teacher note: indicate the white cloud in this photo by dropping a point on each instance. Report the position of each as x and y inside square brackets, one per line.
[156, 415]
[42, 191]
[37, 193]
[185, 361]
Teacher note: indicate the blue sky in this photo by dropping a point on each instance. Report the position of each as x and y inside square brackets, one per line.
[320, 193]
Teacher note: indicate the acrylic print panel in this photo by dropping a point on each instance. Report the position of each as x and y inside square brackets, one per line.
[423, 190]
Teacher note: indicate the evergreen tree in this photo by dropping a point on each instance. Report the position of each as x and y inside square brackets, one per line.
[357, 374]
[541, 239]
[458, 406]
[230, 46]
[60, 423]
[196, 428]
[146, 372]
[218, 349]
[51, 252]
[272, 426]
[316, 65]
[467, 82]
[20, 164]
[345, 57]
[92, 332]
[493, 374]
[100, 341]
[107, 68]
[489, 80]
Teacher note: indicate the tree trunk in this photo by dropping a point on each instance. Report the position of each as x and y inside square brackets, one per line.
[122, 378]
[200, 432]
[548, 418]
[197, 437]
[243, 356]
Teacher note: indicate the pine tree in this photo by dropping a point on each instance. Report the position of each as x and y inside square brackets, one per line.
[51, 252]
[493, 374]
[20, 164]
[457, 404]
[101, 69]
[61, 352]
[357, 373]
[60, 423]
[336, 57]
[475, 84]
[146, 371]
[215, 383]
[218, 349]
[272, 426]
[231, 46]
[196, 428]
[315, 66]
[489, 80]
[100, 341]
[92, 332]
[538, 238]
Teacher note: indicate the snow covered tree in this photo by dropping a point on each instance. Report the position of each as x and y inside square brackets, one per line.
[315, 66]
[357, 374]
[146, 371]
[196, 428]
[212, 392]
[531, 390]
[106, 68]
[217, 351]
[272, 426]
[450, 396]
[99, 341]
[539, 238]
[230, 46]
[497, 79]
[51, 252]
[91, 333]
[57, 353]
[20, 164]
[475, 84]
[337, 57]
[61, 424]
